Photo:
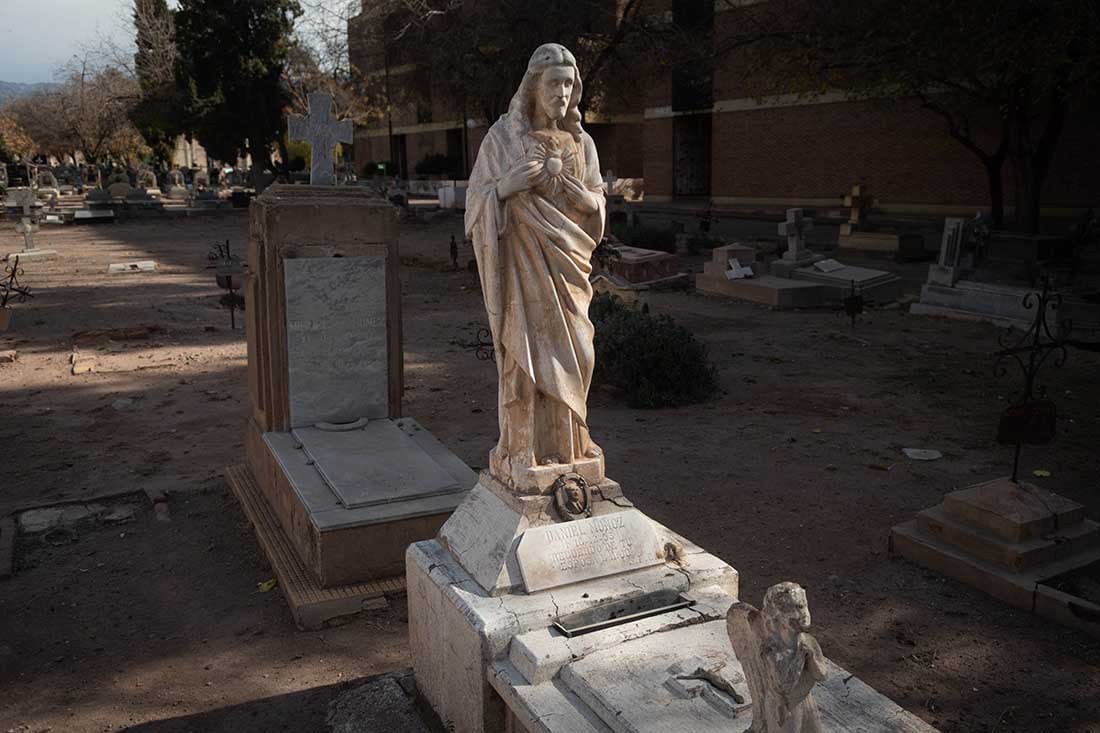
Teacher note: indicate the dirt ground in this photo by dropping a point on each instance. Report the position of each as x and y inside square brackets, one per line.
[794, 472]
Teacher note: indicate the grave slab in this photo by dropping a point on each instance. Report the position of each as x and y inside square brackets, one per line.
[122, 268]
[768, 290]
[376, 464]
[32, 254]
[877, 285]
[671, 677]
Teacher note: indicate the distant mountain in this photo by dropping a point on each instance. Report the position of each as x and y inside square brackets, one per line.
[12, 89]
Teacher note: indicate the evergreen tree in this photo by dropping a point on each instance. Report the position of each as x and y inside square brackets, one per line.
[232, 54]
[158, 114]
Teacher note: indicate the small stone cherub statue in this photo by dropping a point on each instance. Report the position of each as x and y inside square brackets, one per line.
[781, 661]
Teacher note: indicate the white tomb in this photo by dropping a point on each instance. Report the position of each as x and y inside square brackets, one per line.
[548, 602]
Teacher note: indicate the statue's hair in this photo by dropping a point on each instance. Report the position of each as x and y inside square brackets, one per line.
[522, 107]
[784, 599]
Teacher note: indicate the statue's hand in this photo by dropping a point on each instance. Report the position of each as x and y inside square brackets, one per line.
[520, 178]
[583, 199]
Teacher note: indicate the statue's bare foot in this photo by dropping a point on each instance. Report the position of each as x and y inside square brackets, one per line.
[594, 451]
[550, 460]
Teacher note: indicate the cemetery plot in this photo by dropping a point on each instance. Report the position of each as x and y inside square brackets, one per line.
[806, 428]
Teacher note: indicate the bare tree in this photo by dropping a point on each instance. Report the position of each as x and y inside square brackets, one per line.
[39, 116]
[95, 103]
[319, 61]
[14, 141]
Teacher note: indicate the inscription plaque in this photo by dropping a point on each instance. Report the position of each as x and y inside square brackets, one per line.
[336, 339]
[571, 552]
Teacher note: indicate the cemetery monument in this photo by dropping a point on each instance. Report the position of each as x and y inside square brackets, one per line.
[549, 602]
[28, 227]
[338, 481]
[322, 133]
[177, 187]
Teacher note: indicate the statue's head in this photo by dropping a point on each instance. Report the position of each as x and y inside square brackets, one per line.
[785, 606]
[552, 85]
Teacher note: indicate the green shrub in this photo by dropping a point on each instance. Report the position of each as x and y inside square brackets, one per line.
[663, 240]
[701, 242]
[436, 164]
[653, 361]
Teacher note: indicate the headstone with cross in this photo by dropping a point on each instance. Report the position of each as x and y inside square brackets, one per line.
[27, 226]
[858, 204]
[794, 229]
[322, 132]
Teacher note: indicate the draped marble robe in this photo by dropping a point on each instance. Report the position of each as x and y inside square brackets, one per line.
[534, 253]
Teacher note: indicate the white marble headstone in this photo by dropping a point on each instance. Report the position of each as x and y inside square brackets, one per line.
[336, 339]
[571, 552]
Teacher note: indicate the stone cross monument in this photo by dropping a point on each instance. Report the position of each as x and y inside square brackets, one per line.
[27, 226]
[794, 229]
[322, 132]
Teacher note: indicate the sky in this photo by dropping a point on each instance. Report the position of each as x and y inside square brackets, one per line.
[37, 37]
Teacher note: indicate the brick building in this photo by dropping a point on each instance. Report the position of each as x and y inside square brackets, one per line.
[430, 121]
[706, 135]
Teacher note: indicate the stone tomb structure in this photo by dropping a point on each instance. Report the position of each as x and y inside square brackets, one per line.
[956, 287]
[97, 207]
[778, 292]
[350, 481]
[1014, 541]
[177, 187]
[856, 234]
[548, 602]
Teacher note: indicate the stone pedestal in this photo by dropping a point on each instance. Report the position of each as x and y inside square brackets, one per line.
[350, 481]
[1012, 541]
[519, 622]
[778, 292]
[459, 632]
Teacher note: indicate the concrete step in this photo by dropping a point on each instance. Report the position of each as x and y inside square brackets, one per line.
[1015, 556]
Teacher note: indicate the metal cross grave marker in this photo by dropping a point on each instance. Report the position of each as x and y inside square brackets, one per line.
[322, 132]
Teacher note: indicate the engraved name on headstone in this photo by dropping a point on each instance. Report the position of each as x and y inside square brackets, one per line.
[566, 553]
[336, 339]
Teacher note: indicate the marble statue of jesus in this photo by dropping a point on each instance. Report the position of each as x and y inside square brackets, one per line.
[535, 213]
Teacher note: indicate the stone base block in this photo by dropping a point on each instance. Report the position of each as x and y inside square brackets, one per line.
[32, 254]
[539, 479]
[1015, 542]
[1013, 511]
[1001, 305]
[768, 290]
[340, 545]
[311, 605]
[484, 532]
[458, 632]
